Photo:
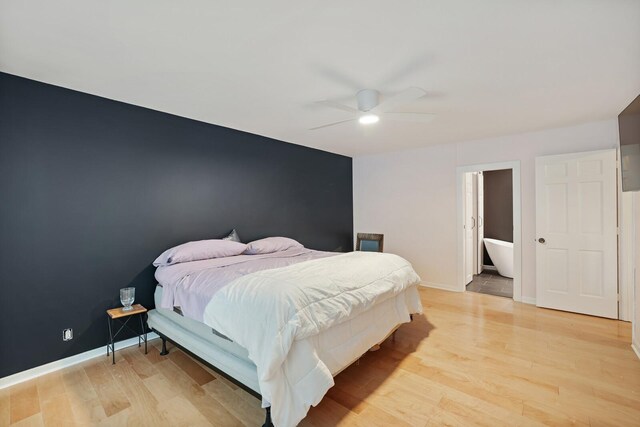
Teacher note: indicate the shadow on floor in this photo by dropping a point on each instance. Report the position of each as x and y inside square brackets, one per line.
[361, 379]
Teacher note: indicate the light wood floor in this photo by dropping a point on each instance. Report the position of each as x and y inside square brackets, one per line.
[472, 359]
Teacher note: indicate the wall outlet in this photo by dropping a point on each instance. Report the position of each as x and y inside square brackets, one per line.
[67, 334]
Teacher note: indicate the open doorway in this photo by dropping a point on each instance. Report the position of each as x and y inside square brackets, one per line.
[488, 205]
[489, 230]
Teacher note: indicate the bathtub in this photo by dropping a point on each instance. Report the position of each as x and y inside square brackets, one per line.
[501, 253]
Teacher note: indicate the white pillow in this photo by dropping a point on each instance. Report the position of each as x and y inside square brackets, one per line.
[199, 250]
[270, 245]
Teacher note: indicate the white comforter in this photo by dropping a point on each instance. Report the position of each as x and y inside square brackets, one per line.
[268, 311]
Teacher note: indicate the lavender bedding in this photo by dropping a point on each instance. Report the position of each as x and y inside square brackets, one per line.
[191, 285]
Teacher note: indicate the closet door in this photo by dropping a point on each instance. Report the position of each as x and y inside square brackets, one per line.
[576, 227]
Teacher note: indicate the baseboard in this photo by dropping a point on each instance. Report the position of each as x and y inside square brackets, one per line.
[528, 300]
[489, 267]
[636, 349]
[66, 362]
[438, 286]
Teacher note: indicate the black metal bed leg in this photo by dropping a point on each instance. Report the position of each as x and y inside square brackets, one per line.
[143, 331]
[111, 344]
[267, 421]
[164, 351]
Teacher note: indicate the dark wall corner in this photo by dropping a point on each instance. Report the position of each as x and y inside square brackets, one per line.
[498, 207]
[92, 190]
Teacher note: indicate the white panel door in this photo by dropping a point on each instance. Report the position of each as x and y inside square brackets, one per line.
[469, 227]
[480, 220]
[576, 227]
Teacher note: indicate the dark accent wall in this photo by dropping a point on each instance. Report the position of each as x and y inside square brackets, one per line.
[498, 206]
[92, 190]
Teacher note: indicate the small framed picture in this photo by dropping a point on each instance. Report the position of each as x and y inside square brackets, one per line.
[369, 242]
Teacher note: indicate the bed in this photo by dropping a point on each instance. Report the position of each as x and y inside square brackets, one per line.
[282, 325]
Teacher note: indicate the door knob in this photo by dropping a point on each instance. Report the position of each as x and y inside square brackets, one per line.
[541, 240]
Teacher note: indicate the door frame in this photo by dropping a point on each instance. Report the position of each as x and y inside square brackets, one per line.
[479, 210]
[517, 220]
[469, 213]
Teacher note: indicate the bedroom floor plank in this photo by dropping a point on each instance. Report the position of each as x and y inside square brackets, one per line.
[249, 412]
[153, 353]
[181, 412]
[77, 384]
[32, 421]
[189, 389]
[50, 386]
[140, 364]
[374, 416]
[329, 413]
[472, 359]
[191, 367]
[109, 391]
[5, 408]
[24, 401]
[346, 399]
[88, 412]
[144, 405]
[57, 411]
[160, 388]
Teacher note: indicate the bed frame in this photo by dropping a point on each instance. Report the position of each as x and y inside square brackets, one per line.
[267, 422]
[165, 351]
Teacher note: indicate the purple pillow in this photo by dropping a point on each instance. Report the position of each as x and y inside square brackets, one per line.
[270, 245]
[199, 250]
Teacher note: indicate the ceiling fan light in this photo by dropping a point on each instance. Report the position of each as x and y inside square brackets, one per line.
[368, 119]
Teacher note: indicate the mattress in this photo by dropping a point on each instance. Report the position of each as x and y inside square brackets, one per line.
[337, 347]
[200, 329]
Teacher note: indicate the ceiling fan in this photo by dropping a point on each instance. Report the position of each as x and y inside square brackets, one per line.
[370, 110]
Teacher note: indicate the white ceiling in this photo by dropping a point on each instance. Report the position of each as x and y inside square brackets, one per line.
[492, 67]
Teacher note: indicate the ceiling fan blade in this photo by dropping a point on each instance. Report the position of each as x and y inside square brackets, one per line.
[332, 124]
[410, 117]
[337, 106]
[400, 99]
[338, 77]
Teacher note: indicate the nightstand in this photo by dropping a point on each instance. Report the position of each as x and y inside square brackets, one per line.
[119, 314]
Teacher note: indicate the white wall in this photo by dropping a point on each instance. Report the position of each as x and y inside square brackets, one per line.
[410, 196]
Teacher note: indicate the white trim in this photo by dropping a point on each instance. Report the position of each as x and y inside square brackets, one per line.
[489, 267]
[529, 300]
[517, 221]
[636, 350]
[439, 286]
[66, 362]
